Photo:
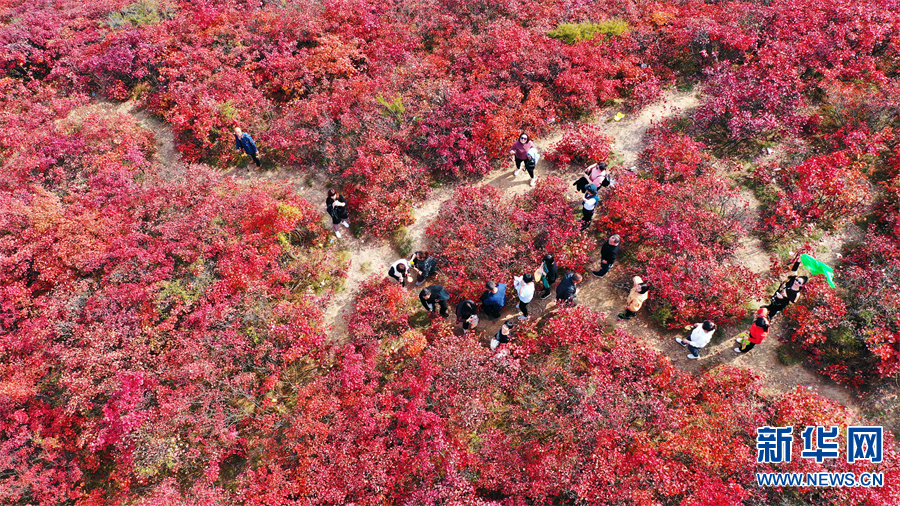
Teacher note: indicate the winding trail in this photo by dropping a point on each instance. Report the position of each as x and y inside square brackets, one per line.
[605, 295]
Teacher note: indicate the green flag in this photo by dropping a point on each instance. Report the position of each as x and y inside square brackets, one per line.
[816, 267]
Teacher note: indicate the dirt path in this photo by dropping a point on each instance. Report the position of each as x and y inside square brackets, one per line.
[605, 295]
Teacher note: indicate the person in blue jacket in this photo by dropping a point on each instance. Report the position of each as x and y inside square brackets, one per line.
[493, 299]
[246, 145]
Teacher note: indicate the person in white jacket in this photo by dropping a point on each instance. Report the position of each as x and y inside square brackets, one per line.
[699, 338]
[524, 286]
[399, 271]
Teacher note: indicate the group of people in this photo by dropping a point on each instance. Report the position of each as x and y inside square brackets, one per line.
[422, 265]
[493, 300]
[786, 294]
[531, 284]
[596, 176]
[522, 152]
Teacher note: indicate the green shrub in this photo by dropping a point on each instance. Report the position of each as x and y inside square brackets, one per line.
[662, 315]
[143, 12]
[402, 242]
[570, 33]
[789, 355]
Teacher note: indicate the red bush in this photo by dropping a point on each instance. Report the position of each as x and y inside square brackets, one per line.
[480, 235]
[822, 191]
[674, 157]
[459, 423]
[683, 238]
[580, 145]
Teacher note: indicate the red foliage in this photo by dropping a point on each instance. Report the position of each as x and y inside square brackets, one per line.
[819, 326]
[822, 191]
[873, 298]
[580, 145]
[145, 318]
[683, 238]
[160, 334]
[573, 412]
[381, 312]
[480, 235]
[672, 156]
[756, 100]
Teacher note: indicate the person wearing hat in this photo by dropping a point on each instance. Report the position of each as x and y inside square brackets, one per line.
[639, 293]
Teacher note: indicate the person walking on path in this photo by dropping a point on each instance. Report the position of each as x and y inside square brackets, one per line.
[467, 314]
[493, 299]
[524, 286]
[546, 274]
[589, 202]
[435, 296]
[246, 145]
[399, 271]
[424, 263]
[788, 292]
[608, 254]
[502, 335]
[336, 205]
[639, 293]
[759, 330]
[524, 151]
[568, 289]
[699, 338]
[595, 174]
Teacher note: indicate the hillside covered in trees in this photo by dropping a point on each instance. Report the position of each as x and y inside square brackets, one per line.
[180, 326]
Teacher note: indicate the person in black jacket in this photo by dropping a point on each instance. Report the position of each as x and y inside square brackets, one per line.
[424, 263]
[336, 205]
[549, 273]
[567, 289]
[465, 311]
[608, 254]
[788, 292]
[434, 296]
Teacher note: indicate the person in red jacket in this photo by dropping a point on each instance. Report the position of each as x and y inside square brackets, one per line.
[758, 331]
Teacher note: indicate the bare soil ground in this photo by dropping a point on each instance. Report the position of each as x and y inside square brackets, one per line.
[606, 295]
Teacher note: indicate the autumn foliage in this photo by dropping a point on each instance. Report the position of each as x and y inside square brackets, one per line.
[161, 324]
[573, 411]
[683, 239]
[481, 234]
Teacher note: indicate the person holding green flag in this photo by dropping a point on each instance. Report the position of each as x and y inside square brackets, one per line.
[788, 292]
